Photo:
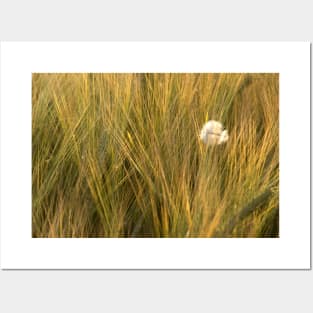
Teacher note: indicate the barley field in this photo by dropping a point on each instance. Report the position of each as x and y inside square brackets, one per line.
[120, 155]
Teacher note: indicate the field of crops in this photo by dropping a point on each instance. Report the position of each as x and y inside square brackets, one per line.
[119, 155]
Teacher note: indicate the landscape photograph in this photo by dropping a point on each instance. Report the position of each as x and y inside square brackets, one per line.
[155, 155]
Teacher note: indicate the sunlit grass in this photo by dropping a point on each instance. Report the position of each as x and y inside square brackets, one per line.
[119, 155]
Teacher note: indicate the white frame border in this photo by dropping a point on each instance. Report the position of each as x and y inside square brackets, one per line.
[20, 251]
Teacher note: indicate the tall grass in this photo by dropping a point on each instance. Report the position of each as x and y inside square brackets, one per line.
[119, 155]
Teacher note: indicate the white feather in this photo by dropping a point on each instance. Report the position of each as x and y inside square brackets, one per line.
[213, 133]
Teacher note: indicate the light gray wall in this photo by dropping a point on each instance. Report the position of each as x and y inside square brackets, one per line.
[156, 291]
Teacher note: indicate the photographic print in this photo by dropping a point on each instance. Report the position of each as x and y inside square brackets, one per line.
[155, 155]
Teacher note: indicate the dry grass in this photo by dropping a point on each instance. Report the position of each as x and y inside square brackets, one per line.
[118, 155]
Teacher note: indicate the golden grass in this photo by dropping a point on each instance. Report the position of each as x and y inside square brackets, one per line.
[119, 155]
